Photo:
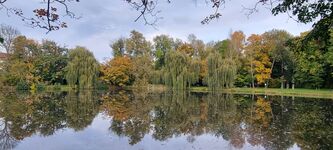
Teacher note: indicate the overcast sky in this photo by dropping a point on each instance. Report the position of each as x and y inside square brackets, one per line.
[103, 21]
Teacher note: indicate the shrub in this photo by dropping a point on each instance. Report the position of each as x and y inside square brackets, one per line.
[22, 85]
[40, 87]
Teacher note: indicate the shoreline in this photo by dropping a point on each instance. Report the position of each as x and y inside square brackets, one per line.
[298, 92]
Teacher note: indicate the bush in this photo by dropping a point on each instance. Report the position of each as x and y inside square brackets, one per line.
[22, 85]
[40, 87]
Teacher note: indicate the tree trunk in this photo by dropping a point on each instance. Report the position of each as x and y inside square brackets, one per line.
[252, 76]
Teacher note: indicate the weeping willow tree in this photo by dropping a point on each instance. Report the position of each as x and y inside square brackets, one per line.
[82, 68]
[181, 70]
[221, 71]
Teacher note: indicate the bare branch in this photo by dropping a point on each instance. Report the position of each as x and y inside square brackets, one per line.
[45, 18]
[147, 10]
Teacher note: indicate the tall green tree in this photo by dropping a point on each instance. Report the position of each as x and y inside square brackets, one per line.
[139, 49]
[118, 47]
[50, 63]
[181, 71]
[137, 45]
[310, 68]
[82, 69]
[280, 54]
[162, 44]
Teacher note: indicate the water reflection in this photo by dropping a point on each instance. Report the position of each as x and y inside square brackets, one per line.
[244, 121]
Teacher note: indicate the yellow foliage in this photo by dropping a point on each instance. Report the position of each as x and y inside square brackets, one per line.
[263, 111]
[118, 71]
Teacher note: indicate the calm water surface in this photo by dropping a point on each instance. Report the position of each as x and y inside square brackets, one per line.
[139, 120]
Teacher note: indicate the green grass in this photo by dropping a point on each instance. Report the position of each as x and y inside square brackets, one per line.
[312, 93]
[322, 93]
[57, 88]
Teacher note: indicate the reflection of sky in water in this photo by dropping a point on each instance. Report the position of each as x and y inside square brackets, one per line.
[98, 136]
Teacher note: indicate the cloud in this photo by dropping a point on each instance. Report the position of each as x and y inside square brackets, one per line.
[105, 20]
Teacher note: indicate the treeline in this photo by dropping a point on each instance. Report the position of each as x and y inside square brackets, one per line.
[272, 59]
[33, 65]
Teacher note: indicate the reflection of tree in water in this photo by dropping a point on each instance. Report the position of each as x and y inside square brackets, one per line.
[313, 124]
[257, 120]
[23, 115]
[7, 142]
[270, 122]
[81, 108]
[130, 116]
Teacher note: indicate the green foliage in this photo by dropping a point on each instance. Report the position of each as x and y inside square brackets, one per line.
[162, 44]
[266, 59]
[82, 69]
[118, 47]
[49, 64]
[221, 72]
[312, 69]
[319, 12]
[176, 70]
[40, 87]
[137, 45]
[22, 85]
[222, 46]
[142, 67]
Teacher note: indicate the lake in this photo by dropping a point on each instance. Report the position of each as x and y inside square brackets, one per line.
[141, 120]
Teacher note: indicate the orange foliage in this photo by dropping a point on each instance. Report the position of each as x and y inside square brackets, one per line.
[118, 71]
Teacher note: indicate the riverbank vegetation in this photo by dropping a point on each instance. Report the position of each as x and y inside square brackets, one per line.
[274, 59]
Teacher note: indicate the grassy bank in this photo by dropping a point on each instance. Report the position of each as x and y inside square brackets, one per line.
[322, 93]
[313, 93]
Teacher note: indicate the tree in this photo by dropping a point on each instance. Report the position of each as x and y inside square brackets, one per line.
[162, 44]
[19, 67]
[137, 45]
[118, 47]
[8, 34]
[118, 71]
[181, 71]
[50, 63]
[139, 50]
[223, 61]
[310, 59]
[82, 69]
[221, 71]
[281, 56]
[258, 59]
[310, 11]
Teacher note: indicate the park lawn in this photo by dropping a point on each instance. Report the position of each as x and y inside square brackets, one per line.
[315, 93]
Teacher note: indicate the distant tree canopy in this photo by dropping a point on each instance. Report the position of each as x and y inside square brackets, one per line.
[319, 12]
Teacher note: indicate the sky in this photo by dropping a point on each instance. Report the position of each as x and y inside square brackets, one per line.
[103, 21]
